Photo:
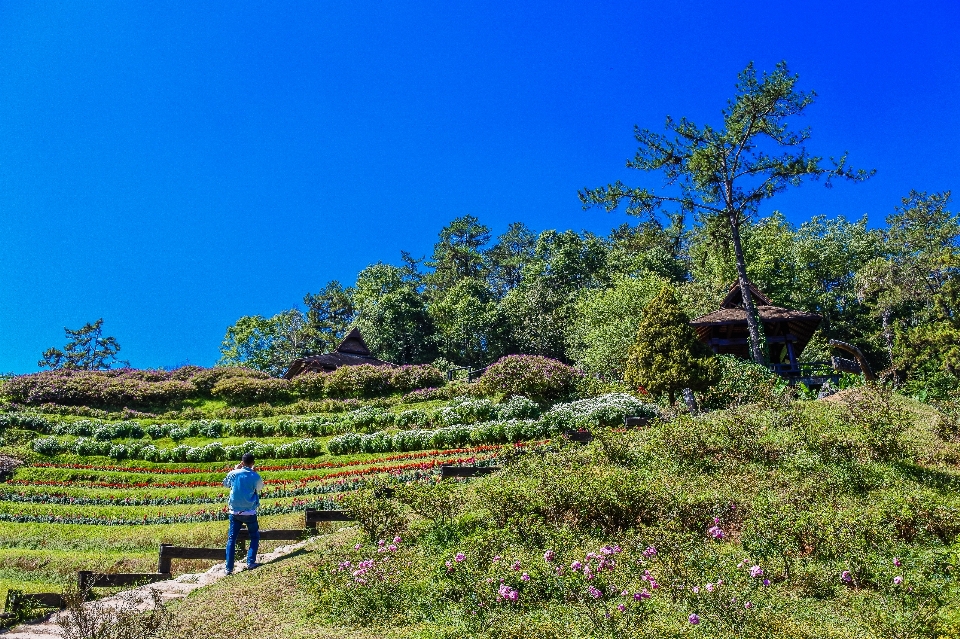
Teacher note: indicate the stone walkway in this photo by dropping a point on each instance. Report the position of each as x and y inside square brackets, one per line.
[140, 597]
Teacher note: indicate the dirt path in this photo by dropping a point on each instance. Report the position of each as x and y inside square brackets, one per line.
[140, 597]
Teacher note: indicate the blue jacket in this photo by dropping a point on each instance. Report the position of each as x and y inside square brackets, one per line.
[244, 484]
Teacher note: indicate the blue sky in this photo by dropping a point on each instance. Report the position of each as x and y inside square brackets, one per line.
[173, 166]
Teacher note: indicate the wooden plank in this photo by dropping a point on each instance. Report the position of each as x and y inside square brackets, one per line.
[312, 516]
[578, 436]
[282, 535]
[178, 552]
[447, 472]
[17, 599]
[635, 421]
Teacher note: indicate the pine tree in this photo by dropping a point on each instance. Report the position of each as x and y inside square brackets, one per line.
[666, 356]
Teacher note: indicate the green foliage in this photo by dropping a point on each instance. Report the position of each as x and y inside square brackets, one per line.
[267, 344]
[246, 390]
[538, 378]
[378, 514]
[87, 350]
[740, 383]
[666, 356]
[605, 324]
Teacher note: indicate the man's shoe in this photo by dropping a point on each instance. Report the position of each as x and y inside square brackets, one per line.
[253, 565]
[228, 572]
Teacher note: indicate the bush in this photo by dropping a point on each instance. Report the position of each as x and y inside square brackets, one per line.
[310, 385]
[518, 407]
[414, 417]
[359, 382]
[206, 379]
[404, 379]
[246, 390]
[464, 411]
[742, 382]
[606, 410]
[539, 378]
[46, 446]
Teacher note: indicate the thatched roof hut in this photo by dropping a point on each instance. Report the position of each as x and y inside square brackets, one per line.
[352, 351]
[787, 331]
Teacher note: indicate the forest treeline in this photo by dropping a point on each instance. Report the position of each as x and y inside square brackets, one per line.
[893, 290]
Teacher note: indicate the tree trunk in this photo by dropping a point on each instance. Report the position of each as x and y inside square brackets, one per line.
[888, 334]
[756, 352]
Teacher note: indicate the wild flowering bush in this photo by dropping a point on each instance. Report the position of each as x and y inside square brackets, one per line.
[518, 407]
[606, 410]
[310, 385]
[414, 417]
[359, 381]
[539, 378]
[743, 382]
[404, 379]
[464, 411]
[246, 390]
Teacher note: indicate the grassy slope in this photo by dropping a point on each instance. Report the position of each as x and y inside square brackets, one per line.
[675, 478]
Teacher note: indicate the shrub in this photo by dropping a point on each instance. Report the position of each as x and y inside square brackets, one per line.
[206, 379]
[518, 407]
[46, 446]
[742, 382]
[359, 382]
[157, 431]
[367, 418]
[414, 417]
[606, 410]
[464, 411]
[408, 378]
[246, 390]
[539, 378]
[310, 385]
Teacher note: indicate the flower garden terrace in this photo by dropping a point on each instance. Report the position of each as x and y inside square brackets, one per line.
[68, 508]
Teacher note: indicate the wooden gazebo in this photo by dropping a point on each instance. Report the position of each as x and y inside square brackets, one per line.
[787, 331]
[352, 351]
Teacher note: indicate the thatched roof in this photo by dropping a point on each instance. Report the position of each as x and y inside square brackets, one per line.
[724, 330]
[352, 351]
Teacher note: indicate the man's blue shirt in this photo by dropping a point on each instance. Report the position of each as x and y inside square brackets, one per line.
[245, 485]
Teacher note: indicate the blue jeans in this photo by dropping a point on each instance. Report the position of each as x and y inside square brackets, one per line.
[236, 523]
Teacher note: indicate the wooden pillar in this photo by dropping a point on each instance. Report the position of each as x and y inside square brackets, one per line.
[791, 355]
[164, 561]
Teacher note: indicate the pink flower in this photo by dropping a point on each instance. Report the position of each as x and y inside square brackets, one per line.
[696, 590]
[897, 580]
[716, 532]
[748, 605]
[766, 582]
[709, 587]
[621, 607]
[392, 548]
[449, 565]
[459, 557]
[846, 577]
[381, 542]
[896, 562]
[694, 619]
[397, 540]
[357, 547]
[756, 571]
[497, 558]
[525, 577]
[643, 594]
[515, 566]
[650, 552]
[594, 592]
[549, 555]
[576, 565]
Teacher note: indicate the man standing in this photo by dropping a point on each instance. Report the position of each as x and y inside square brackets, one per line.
[245, 486]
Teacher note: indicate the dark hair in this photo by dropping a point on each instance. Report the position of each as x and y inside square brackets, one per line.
[247, 459]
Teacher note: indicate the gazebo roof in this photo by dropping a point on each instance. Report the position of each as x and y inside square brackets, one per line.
[352, 351]
[725, 329]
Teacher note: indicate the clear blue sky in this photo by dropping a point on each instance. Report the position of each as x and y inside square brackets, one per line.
[173, 166]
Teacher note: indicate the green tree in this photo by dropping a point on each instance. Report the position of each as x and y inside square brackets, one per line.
[329, 313]
[87, 350]
[392, 315]
[730, 171]
[507, 258]
[458, 255]
[267, 344]
[605, 322]
[397, 327]
[666, 356]
[464, 317]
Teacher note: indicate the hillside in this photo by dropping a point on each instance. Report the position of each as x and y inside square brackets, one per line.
[773, 515]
